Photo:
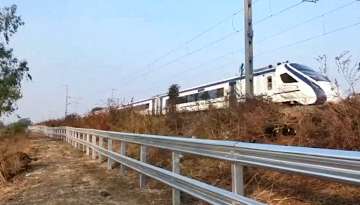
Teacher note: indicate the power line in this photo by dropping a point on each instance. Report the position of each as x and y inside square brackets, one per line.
[212, 43]
[312, 38]
[223, 38]
[197, 36]
[288, 45]
[293, 27]
[308, 21]
[233, 52]
[279, 12]
[257, 22]
[211, 67]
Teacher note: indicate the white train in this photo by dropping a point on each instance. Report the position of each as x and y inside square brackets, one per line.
[283, 83]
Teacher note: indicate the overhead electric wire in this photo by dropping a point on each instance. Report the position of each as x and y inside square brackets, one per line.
[288, 29]
[308, 21]
[311, 38]
[207, 62]
[157, 85]
[278, 12]
[199, 35]
[212, 43]
[224, 37]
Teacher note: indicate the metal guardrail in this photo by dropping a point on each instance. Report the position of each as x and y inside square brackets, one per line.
[337, 165]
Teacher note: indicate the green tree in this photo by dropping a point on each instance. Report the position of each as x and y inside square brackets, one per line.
[12, 70]
[173, 97]
[173, 119]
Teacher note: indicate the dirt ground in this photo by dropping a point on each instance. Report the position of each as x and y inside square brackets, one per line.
[60, 174]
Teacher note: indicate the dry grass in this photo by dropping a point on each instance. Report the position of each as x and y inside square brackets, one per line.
[13, 157]
[328, 126]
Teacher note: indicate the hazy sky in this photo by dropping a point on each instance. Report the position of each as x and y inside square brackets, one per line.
[95, 46]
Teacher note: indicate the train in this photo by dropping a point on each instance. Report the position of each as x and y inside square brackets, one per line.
[286, 82]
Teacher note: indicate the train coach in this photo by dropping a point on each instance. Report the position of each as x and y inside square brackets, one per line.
[284, 83]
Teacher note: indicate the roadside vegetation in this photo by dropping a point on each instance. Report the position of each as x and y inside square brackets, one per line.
[12, 72]
[334, 126]
[14, 144]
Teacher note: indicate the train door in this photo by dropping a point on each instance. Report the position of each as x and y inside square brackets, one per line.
[269, 85]
[288, 87]
[158, 105]
[153, 106]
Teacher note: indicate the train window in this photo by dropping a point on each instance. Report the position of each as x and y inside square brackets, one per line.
[141, 107]
[310, 72]
[213, 94]
[220, 92]
[192, 98]
[181, 100]
[269, 83]
[286, 78]
[204, 96]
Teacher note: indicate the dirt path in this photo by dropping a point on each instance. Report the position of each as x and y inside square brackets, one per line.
[63, 175]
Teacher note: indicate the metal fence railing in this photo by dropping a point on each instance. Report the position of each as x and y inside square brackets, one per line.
[337, 165]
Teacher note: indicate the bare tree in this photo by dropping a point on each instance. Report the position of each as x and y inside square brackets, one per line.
[349, 70]
[324, 68]
[323, 64]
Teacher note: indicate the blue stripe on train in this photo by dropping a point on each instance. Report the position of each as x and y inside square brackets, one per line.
[319, 92]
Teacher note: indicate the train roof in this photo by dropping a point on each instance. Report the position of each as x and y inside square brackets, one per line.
[259, 71]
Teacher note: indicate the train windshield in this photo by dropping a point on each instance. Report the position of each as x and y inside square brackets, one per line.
[310, 72]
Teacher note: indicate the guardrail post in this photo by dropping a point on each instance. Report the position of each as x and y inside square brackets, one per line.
[101, 144]
[78, 141]
[67, 136]
[71, 138]
[82, 143]
[237, 172]
[93, 149]
[143, 158]
[176, 169]
[123, 152]
[87, 146]
[110, 148]
[75, 140]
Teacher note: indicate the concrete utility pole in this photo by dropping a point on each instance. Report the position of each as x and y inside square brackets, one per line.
[249, 62]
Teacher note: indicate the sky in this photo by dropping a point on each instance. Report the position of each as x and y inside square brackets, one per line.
[136, 49]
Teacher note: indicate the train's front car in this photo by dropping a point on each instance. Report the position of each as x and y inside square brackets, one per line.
[321, 86]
